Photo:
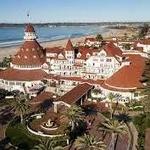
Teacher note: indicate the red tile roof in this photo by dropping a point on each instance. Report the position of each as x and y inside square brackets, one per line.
[145, 41]
[30, 53]
[22, 75]
[42, 97]
[112, 50]
[90, 39]
[84, 51]
[29, 28]
[76, 93]
[69, 46]
[54, 50]
[128, 77]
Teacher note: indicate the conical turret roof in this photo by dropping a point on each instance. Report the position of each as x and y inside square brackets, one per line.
[29, 28]
[30, 53]
[69, 46]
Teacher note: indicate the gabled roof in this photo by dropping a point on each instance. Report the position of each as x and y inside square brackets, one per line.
[69, 46]
[112, 50]
[84, 51]
[76, 93]
[30, 53]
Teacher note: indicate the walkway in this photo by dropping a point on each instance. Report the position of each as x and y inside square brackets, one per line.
[135, 136]
[2, 131]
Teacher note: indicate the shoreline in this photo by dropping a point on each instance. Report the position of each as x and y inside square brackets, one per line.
[11, 50]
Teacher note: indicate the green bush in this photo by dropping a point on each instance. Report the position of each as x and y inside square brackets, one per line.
[20, 136]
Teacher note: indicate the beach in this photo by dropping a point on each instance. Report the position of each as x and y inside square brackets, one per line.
[11, 50]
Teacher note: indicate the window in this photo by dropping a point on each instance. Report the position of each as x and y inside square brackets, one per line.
[136, 94]
[108, 60]
[11, 83]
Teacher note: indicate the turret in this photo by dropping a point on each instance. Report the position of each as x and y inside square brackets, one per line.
[69, 52]
[30, 33]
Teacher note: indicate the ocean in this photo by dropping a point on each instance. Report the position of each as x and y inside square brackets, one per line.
[10, 36]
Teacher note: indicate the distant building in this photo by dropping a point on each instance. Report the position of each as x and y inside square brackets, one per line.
[144, 44]
[92, 42]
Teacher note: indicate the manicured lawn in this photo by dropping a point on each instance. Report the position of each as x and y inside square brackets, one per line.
[20, 136]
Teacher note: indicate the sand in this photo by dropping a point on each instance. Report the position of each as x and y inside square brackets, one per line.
[11, 50]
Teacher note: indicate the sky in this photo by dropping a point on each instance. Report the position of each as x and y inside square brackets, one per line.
[15, 11]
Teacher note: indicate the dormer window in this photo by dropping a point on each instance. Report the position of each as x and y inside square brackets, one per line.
[78, 55]
[87, 55]
[60, 56]
[102, 53]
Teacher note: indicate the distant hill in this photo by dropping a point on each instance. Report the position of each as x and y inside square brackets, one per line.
[74, 24]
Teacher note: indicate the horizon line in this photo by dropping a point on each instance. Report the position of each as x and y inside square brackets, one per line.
[75, 22]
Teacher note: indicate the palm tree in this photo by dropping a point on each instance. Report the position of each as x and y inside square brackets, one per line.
[47, 144]
[124, 117]
[20, 106]
[115, 128]
[111, 97]
[87, 142]
[74, 114]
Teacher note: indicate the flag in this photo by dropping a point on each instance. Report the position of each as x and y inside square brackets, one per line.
[28, 15]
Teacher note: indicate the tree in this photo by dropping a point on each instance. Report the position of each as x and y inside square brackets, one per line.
[127, 46]
[114, 127]
[99, 37]
[145, 92]
[124, 117]
[47, 144]
[144, 30]
[87, 142]
[20, 106]
[6, 62]
[111, 97]
[74, 114]
[125, 36]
